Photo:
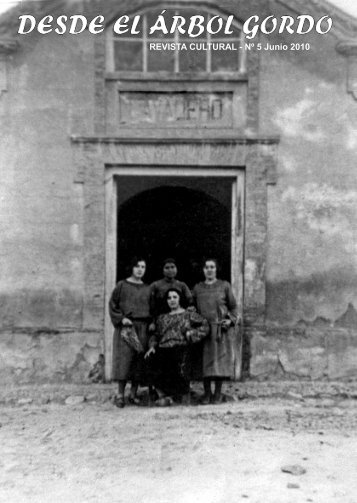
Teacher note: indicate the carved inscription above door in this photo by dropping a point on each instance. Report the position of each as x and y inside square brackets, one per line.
[182, 109]
[134, 106]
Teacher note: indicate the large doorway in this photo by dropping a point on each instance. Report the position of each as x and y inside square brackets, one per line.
[188, 213]
[186, 219]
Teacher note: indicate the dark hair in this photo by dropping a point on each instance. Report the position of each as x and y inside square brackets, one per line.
[134, 262]
[211, 259]
[169, 261]
[176, 290]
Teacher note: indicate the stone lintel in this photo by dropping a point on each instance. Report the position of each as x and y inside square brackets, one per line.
[181, 77]
[230, 140]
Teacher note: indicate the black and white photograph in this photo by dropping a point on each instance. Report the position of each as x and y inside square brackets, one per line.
[178, 251]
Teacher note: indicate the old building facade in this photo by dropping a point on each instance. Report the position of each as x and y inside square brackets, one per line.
[111, 147]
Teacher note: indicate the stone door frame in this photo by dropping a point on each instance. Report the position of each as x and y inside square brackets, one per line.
[112, 184]
[97, 159]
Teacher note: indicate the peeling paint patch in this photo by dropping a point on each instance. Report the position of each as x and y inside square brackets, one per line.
[288, 162]
[351, 138]
[66, 357]
[299, 121]
[74, 233]
[323, 85]
[253, 277]
[319, 300]
[326, 210]
[314, 354]
[44, 308]
[303, 362]
[349, 318]
[76, 266]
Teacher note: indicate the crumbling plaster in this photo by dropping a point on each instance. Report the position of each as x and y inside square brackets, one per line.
[312, 238]
[308, 329]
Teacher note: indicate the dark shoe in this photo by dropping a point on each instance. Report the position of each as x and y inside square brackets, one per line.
[206, 399]
[186, 399]
[153, 395]
[219, 398]
[164, 401]
[119, 402]
[134, 400]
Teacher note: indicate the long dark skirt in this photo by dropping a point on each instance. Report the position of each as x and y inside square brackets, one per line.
[222, 356]
[196, 361]
[171, 373]
[128, 365]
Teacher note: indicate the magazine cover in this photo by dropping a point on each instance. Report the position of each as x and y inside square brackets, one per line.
[178, 251]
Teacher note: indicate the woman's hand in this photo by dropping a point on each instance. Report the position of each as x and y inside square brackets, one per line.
[226, 324]
[189, 335]
[152, 327]
[149, 353]
[126, 322]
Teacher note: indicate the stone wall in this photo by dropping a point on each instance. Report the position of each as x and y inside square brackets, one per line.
[304, 353]
[300, 262]
[311, 259]
[47, 356]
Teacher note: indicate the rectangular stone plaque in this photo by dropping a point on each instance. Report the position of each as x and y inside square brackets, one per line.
[176, 109]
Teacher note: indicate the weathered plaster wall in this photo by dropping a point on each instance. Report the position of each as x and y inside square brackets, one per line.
[311, 267]
[49, 97]
[47, 356]
[312, 239]
[304, 353]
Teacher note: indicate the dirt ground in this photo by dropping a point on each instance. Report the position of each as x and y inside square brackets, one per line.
[70, 444]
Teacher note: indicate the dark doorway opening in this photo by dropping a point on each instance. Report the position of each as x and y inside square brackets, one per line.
[188, 219]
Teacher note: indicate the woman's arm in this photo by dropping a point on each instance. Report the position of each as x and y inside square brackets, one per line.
[157, 334]
[116, 315]
[152, 346]
[199, 327]
[231, 305]
[154, 339]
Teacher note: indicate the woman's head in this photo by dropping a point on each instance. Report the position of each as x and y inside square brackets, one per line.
[210, 267]
[137, 267]
[173, 298]
[169, 268]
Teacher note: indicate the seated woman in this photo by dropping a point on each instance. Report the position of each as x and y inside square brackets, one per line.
[175, 331]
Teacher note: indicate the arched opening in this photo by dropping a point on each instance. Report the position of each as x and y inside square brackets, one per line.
[176, 220]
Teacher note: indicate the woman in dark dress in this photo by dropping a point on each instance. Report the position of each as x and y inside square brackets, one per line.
[169, 348]
[130, 314]
[215, 301]
[159, 288]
